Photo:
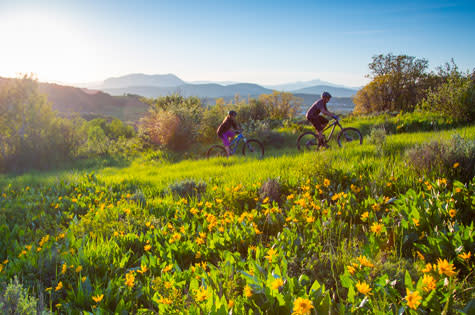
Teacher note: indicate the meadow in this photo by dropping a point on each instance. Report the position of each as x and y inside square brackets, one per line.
[359, 229]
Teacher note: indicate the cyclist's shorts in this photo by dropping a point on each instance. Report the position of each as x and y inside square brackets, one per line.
[226, 136]
[318, 122]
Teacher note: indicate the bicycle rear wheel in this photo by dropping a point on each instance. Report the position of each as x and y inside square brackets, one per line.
[307, 141]
[349, 135]
[253, 148]
[216, 151]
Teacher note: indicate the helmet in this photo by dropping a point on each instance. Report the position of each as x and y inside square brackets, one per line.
[326, 94]
[232, 113]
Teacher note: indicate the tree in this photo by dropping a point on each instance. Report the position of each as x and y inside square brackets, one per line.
[398, 83]
[31, 133]
[280, 105]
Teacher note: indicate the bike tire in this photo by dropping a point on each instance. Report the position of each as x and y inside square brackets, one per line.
[253, 147]
[216, 151]
[308, 141]
[348, 135]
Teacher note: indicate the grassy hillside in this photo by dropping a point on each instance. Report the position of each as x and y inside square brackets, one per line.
[357, 229]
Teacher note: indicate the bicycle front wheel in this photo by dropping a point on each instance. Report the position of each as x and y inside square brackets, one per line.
[307, 141]
[253, 148]
[216, 151]
[349, 135]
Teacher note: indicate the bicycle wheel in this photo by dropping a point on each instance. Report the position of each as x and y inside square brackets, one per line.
[216, 151]
[307, 141]
[349, 135]
[253, 148]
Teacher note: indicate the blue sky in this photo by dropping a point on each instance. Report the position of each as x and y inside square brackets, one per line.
[266, 42]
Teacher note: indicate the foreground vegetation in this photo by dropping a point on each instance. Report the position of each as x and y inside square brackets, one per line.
[360, 229]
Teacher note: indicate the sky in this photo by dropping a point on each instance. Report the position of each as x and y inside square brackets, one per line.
[258, 41]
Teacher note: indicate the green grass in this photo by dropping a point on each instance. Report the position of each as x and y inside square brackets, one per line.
[337, 205]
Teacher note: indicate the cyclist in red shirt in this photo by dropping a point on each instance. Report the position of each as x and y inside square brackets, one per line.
[313, 115]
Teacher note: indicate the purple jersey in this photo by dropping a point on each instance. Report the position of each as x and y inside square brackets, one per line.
[316, 108]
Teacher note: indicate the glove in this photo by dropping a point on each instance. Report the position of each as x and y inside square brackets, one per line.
[336, 117]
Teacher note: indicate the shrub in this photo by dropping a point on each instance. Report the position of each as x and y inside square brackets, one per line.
[173, 121]
[270, 189]
[454, 159]
[455, 98]
[15, 300]
[187, 188]
[377, 136]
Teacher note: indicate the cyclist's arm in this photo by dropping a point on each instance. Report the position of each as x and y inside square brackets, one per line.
[328, 113]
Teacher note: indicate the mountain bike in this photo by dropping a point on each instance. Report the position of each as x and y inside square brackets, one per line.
[309, 140]
[251, 147]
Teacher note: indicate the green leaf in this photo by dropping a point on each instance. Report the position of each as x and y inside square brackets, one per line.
[408, 281]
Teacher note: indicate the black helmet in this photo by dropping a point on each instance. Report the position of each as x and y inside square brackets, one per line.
[326, 94]
[232, 113]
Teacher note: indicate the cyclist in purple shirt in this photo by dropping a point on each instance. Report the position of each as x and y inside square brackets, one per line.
[313, 114]
[225, 131]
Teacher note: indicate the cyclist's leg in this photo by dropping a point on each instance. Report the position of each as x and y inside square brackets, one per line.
[225, 138]
[318, 127]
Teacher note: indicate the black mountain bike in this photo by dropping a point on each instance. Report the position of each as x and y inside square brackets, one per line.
[251, 147]
[309, 140]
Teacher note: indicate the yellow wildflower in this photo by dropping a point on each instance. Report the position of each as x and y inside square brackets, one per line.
[168, 268]
[59, 286]
[277, 283]
[445, 267]
[64, 269]
[413, 299]
[147, 247]
[456, 164]
[428, 283]
[143, 269]
[98, 298]
[351, 270]
[326, 182]
[427, 268]
[302, 306]
[130, 279]
[201, 294]
[230, 303]
[465, 256]
[364, 216]
[247, 291]
[270, 255]
[452, 212]
[365, 262]
[376, 228]
[415, 221]
[78, 268]
[363, 288]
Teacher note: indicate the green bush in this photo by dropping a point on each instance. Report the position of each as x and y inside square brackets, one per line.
[15, 300]
[32, 135]
[455, 98]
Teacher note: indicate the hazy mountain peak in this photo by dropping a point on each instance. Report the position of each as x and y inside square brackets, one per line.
[140, 79]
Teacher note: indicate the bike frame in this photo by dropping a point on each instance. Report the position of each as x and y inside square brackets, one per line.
[235, 142]
[333, 124]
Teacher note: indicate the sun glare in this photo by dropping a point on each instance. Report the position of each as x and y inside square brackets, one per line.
[51, 48]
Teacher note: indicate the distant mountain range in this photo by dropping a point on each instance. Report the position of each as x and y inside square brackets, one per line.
[162, 85]
[121, 97]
